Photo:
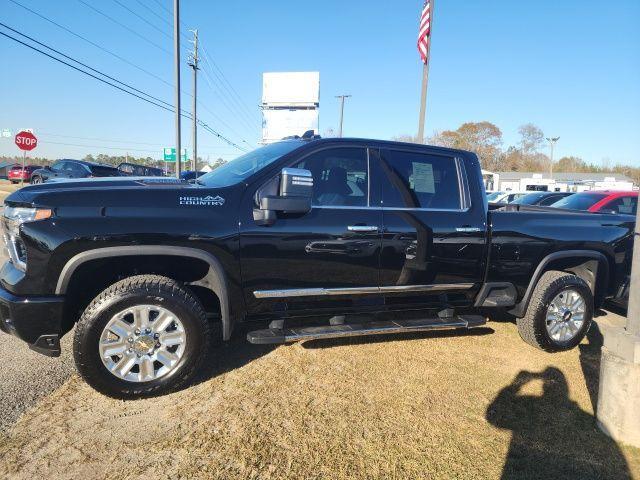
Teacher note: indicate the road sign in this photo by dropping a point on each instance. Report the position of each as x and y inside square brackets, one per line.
[170, 154]
[6, 133]
[26, 141]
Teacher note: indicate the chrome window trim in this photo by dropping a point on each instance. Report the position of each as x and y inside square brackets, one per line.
[313, 292]
[458, 210]
[347, 207]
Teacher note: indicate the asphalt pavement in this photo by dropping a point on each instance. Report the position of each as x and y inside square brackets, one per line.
[27, 376]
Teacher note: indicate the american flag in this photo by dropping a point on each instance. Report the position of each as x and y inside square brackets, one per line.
[425, 31]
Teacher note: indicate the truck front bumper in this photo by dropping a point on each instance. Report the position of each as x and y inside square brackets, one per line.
[36, 320]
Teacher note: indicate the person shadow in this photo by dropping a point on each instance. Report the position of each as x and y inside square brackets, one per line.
[553, 438]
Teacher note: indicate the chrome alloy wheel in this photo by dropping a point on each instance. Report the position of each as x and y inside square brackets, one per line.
[565, 315]
[142, 343]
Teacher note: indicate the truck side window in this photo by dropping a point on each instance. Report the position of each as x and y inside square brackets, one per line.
[340, 176]
[417, 180]
[625, 205]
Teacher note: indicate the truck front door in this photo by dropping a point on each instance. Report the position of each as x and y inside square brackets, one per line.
[433, 246]
[326, 258]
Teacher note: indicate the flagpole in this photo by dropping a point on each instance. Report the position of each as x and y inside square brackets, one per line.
[423, 101]
[425, 78]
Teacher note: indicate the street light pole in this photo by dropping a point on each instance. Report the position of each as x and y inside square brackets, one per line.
[552, 142]
[176, 65]
[341, 97]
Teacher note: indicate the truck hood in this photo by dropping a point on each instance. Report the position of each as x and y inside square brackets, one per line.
[96, 187]
[128, 192]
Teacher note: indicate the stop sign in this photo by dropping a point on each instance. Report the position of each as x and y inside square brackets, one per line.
[26, 141]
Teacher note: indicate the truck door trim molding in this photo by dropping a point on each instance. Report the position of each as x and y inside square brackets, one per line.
[520, 309]
[312, 292]
[215, 279]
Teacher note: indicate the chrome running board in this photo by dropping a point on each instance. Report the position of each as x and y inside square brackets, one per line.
[288, 335]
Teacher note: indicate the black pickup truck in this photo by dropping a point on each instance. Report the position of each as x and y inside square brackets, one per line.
[301, 239]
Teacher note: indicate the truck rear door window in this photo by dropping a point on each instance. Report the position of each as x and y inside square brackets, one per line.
[418, 180]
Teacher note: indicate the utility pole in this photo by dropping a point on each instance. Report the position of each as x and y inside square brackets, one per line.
[341, 97]
[194, 127]
[552, 142]
[618, 413]
[176, 65]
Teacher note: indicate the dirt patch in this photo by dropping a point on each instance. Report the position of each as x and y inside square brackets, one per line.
[480, 405]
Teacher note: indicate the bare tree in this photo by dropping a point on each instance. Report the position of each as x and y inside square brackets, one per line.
[531, 138]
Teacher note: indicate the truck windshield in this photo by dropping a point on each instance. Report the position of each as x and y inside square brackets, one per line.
[579, 201]
[246, 165]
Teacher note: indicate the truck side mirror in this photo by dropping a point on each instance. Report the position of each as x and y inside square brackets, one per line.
[294, 196]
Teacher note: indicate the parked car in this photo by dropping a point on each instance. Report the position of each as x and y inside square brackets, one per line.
[17, 174]
[67, 169]
[504, 197]
[541, 198]
[133, 169]
[297, 240]
[601, 201]
[191, 174]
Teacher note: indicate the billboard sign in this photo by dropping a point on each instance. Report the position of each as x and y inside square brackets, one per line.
[291, 88]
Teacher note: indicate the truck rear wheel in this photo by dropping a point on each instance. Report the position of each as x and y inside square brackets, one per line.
[559, 313]
[142, 336]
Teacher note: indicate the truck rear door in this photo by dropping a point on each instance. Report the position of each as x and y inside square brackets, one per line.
[434, 235]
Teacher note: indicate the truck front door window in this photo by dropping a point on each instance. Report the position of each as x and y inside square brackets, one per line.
[340, 176]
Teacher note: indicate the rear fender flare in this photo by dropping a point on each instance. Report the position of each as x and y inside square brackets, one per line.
[520, 309]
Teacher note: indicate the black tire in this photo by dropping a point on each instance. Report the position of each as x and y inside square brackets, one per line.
[35, 180]
[138, 290]
[533, 328]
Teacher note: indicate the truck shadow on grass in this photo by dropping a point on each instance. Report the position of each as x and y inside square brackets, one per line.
[236, 353]
[552, 436]
[384, 338]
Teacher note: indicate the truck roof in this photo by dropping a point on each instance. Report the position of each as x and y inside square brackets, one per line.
[382, 143]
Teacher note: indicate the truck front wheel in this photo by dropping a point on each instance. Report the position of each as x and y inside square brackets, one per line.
[142, 336]
[559, 313]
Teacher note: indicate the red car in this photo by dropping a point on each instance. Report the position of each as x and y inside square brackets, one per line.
[16, 173]
[605, 201]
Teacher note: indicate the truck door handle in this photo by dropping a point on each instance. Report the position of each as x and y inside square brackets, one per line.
[362, 228]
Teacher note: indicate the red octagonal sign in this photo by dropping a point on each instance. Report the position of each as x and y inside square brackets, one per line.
[26, 141]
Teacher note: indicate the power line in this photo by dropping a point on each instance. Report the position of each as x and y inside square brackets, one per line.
[86, 73]
[224, 101]
[91, 43]
[154, 13]
[84, 64]
[142, 18]
[98, 139]
[131, 30]
[158, 151]
[163, 7]
[245, 113]
[207, 127]
[224, 78]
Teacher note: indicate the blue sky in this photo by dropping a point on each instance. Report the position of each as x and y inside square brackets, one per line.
[571, 67]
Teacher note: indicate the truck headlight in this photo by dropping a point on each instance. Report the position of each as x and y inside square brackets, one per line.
[13, 218]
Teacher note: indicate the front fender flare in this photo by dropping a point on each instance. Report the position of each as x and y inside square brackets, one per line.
[215, 278]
